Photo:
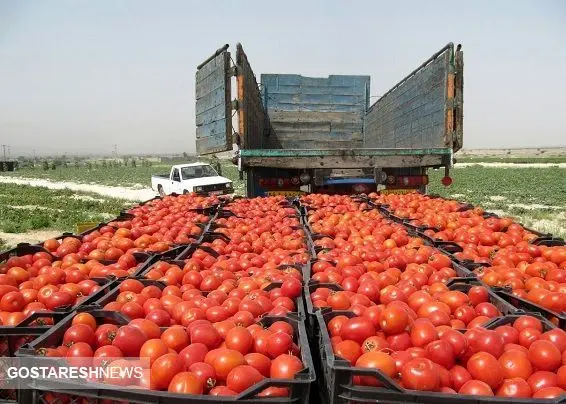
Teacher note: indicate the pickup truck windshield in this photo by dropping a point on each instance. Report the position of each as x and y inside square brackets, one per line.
[197, 172]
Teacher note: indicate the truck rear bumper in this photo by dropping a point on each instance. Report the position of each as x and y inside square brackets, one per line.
[354, 158]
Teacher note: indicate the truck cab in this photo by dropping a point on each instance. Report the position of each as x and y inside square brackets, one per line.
[297, 134]
[199, 178]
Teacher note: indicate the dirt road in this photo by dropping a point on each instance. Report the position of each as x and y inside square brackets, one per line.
[114, 192]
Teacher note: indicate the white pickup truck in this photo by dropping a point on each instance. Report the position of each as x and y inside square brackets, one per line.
[200, 178]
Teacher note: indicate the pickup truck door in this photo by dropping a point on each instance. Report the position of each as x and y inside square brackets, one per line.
[175, 182]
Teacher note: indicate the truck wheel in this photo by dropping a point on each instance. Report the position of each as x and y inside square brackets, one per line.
[160, 190]
[185, 192]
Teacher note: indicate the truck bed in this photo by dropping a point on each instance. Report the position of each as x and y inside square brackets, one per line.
[163, 176]
[353, 158]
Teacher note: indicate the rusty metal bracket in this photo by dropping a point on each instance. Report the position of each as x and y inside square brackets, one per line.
[233, 71]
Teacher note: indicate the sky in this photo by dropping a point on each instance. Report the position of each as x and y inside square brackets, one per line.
[79, 77]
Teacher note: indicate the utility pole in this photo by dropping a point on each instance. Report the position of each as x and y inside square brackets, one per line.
[4, 146]
[115, 150]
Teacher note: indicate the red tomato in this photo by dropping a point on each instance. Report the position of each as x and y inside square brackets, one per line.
[441, 352]
[225, 361]
[239, 339]
[542, 379]
[393, 320]
[485, 367]
[376, 360]
[285, 367]
[544, 355]
[175, 338]
[515, 364]
[153, 349]
[357, 329]
[515, 387]
[423, 332]
[476, 388]
[242, 377]
[193, 353]
[79, 333]
[165, 368]
[349, 350]
[129, 340]
[278, 344]
[261, 362]
[420, 374]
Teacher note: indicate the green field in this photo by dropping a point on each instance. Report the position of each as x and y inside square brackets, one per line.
[25, 208]
[536, 197]
[514, 160]
[137, 177]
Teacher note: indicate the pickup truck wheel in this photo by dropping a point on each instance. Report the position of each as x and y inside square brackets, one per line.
[160, 190]
[185, 191]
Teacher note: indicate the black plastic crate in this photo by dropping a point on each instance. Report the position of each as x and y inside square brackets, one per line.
[11, 338]
[528, 306]
[76, 391]
[549, 242]
[112, 294]
[336, 376]
[465, 284]
[299, 303]
[308, 288]
[23, 249]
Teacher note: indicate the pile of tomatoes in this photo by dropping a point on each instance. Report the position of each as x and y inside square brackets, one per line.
[211, 304]
[406, 322]
[242, 302]
[254, 269]
[533, 272]
[39, 283]
[375, 262]
[154, 227]
[204, 357]
[518, 360]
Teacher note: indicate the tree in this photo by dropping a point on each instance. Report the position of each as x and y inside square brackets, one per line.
[45, 165]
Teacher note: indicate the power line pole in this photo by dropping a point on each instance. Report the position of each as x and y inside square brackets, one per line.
[115, 150]
[4, 149]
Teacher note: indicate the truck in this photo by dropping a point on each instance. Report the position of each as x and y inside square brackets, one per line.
[199, 178]
[293, 134]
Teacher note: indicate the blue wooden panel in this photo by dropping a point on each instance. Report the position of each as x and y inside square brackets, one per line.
[213, 109]
[315, 111]
[413, 113]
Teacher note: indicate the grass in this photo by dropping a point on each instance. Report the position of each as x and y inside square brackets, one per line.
[536, 197]
[24, 208]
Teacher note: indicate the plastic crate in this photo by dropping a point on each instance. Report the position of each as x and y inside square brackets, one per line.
[336, 376]
[549, 242]
[11, 338]
[23, 249]
[78, 391]
[112, 294]
[308, 288]
[299, 303]
[465, 284]
[528, 306]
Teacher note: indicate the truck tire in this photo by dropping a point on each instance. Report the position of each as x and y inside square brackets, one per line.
[185, 192]
[160, 190]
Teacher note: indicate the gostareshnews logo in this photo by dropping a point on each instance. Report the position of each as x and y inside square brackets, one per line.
[82, 373]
